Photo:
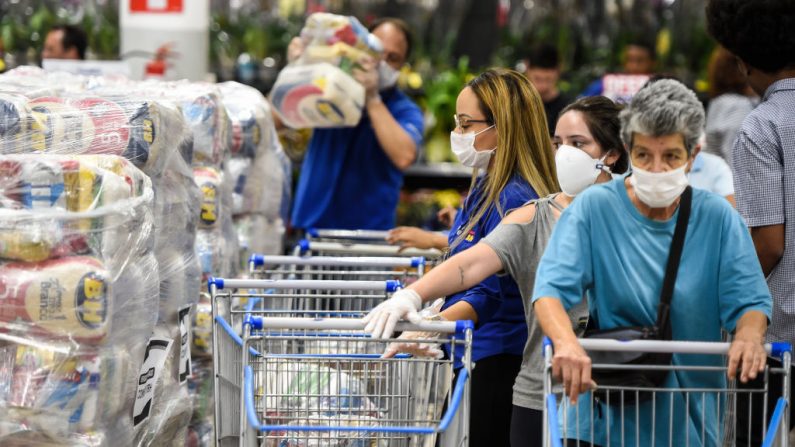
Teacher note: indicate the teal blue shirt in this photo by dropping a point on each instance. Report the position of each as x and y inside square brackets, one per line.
[604, 248]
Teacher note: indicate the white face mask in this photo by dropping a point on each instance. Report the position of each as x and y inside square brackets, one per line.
[577, 170]
[659, 189]
[463, 145]
[387, 76]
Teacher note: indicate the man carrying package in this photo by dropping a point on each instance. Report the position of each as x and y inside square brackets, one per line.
[351, 176]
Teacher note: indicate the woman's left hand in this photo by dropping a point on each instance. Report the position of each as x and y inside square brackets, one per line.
[411, 237]
[746, 354]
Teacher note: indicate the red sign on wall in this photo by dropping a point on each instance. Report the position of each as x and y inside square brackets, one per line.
[155, 6]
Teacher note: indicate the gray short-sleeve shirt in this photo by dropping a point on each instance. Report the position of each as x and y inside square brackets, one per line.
[520, 247]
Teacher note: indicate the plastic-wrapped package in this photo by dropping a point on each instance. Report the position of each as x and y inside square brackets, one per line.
[170, 411]
[317, 95]
[142, 131]
[204, 114]
[200, 386]
[259, 167]
[314, 388]
[203, 328]
[317, 90]
[78, 280]
[15, 119]
[216, 240]
[339, 40]
[250, 114]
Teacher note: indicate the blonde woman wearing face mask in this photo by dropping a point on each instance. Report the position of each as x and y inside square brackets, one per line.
[588, 149]
[613, 245]
[501, 131]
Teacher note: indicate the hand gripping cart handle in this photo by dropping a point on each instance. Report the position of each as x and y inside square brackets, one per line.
[697, 412]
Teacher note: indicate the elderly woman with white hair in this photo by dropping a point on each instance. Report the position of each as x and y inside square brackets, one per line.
[612, 246]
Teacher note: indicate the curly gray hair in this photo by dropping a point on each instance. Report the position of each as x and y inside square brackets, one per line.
[664, 107]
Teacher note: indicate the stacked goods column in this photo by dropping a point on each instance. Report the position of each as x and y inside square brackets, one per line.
[78, 279]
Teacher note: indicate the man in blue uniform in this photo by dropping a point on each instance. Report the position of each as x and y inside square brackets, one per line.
[351, 177]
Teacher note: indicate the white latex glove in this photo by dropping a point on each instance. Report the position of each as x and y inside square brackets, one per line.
[381, 321]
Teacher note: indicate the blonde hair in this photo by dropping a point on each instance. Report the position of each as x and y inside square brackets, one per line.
[510, 102]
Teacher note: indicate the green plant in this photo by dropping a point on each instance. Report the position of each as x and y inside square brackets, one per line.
[439, 105]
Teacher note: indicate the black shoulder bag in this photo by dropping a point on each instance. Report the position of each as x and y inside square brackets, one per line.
[660, 331]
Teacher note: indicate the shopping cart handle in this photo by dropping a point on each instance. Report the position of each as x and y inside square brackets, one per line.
[257, 259]
[213, 281]
[779, 348]
[351, 324]
[776, 349]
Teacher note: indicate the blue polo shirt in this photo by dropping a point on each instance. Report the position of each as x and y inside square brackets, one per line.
[347, 181]
[501, 327]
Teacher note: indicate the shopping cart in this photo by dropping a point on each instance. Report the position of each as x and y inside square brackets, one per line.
[232, 300]
[701, 413]
[324, 248]
[311, 378]
[336, 268]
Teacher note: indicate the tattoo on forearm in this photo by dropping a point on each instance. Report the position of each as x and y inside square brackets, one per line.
[461, 272]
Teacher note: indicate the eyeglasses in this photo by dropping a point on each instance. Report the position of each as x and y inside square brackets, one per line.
[462, 122]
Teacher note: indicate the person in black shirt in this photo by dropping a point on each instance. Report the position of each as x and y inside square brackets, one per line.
[542, 67]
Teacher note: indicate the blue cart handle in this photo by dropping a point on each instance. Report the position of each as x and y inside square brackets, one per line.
[287, 284]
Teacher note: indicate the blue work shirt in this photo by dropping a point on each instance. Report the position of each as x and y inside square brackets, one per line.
[347, 181]
[711, 173]
[605, 247]
[501, 327]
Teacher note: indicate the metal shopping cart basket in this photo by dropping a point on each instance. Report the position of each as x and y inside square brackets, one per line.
[700, 411]
[314, 381]
[337, 268]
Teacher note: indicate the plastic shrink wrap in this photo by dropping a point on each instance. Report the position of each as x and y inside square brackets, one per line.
[260, 170]
[151, 132]
[317, 90]
[78, 280]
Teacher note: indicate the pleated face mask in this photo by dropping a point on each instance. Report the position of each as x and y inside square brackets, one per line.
[659, 189]
[463, 145]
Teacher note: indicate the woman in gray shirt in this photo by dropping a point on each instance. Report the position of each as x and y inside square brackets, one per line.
[589, 150]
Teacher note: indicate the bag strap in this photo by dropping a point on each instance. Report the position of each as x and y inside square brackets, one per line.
[672, 267]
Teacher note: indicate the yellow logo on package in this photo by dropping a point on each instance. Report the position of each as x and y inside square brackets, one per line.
[91, 300]
[39, 129]
[148, 130]
[209, 207]
[471, 236]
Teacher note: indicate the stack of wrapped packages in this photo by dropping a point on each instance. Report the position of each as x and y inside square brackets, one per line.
[78, 280]
[317, 90]
[167, 153]
[83, 118]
